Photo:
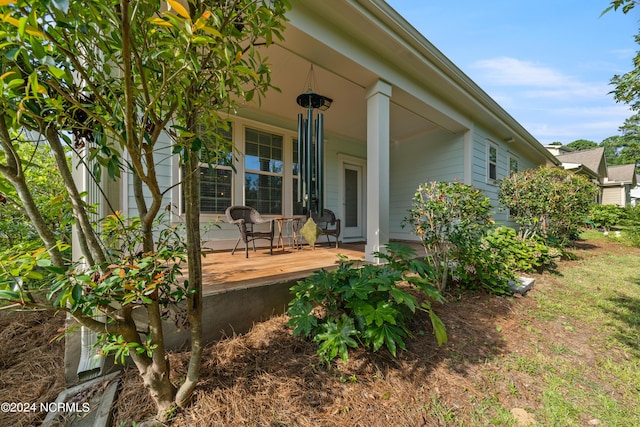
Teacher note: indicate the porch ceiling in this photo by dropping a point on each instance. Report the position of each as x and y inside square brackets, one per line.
[338, 78]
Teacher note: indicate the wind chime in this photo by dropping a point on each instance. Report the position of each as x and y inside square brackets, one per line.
[310, 149]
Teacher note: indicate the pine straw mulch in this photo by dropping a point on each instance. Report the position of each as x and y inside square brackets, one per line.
[269, 378]
[31, 365]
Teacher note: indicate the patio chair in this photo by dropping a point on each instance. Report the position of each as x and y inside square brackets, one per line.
[328, 223]
[245, 217]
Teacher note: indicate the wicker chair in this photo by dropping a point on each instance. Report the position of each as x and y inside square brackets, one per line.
[245, 217]
[328, 223]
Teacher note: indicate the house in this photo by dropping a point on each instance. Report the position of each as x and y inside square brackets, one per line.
[617, 188]
[615, 182]
[402, 114]
[590, 163]
[634, 193]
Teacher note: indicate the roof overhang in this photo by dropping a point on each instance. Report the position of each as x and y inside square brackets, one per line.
[355, 43]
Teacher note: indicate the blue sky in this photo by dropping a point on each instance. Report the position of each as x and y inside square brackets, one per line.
[548, 63]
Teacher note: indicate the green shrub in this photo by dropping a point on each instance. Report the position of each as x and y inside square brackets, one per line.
[450, 219]
[549, 202]
[479, 268]
[368, 305]
[631, 223]
[605, 216]
[519, 254]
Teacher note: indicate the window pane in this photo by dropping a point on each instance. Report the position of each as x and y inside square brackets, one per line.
[217, 148]
[215, 190]
[351, 197]
[263, 151]
[513, 165]
[216, 179]
[264, 193]
[493, 154]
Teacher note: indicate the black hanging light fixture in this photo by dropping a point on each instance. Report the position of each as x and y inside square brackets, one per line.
[310, 149]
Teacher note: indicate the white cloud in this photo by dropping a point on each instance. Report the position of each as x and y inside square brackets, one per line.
[549, 103]
[537, 81]
[505, 71]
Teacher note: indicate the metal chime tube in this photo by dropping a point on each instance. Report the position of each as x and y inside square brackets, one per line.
[300, 155]
[320, 163]
[309, 158]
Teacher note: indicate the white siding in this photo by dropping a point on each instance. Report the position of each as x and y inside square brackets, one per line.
[164, 165]
[434, 157]
[613, 196]
[337, 146]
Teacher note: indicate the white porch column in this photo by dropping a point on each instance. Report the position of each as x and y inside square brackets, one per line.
[378, 96]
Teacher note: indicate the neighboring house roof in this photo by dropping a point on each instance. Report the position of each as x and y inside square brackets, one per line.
[558, 150]
[581, 169]
[593, 159]
[623, 174]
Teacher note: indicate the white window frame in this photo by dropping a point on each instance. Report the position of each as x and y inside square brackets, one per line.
[490, 146]
[514, 158]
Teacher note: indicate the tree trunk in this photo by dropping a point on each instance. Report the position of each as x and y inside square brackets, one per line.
[91, 248]
[12, 171]
[191, 185]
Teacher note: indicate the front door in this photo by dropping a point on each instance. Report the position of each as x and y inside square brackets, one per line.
[352, 201]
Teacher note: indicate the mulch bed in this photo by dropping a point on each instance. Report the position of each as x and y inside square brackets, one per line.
[31, 364]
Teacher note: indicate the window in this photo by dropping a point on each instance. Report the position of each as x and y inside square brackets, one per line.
[492, 163]
[298, 206]
[216, 174]
[215, 189]
[513, 165]
[263, 171]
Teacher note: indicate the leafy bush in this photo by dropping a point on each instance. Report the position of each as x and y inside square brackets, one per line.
[45, 183]
[450, 219]
[605, 216]
[479, 268]
[519, 254]
[631, 222]
[549, 202]
[368, 305]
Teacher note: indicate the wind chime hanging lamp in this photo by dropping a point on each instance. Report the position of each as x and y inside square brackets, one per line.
[311, 148]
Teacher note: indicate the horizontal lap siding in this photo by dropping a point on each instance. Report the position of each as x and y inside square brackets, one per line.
[433, 157]
[612, 196]
[335, 147]
[164, 165]
[481, 142]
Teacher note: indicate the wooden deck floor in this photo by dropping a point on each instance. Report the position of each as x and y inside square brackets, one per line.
[223, 271]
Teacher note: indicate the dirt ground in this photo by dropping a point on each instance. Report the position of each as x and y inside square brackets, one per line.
[269, 378]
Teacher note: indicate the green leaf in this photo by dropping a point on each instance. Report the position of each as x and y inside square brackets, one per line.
[9, 295]
[12, 54]
[438, 328]
[385, 312]
[76, 293]
[337, 338]
[57, 72]
[402, 297]
[36, 275]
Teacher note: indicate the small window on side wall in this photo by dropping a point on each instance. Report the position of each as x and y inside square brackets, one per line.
[492, 163]
[513, 165]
